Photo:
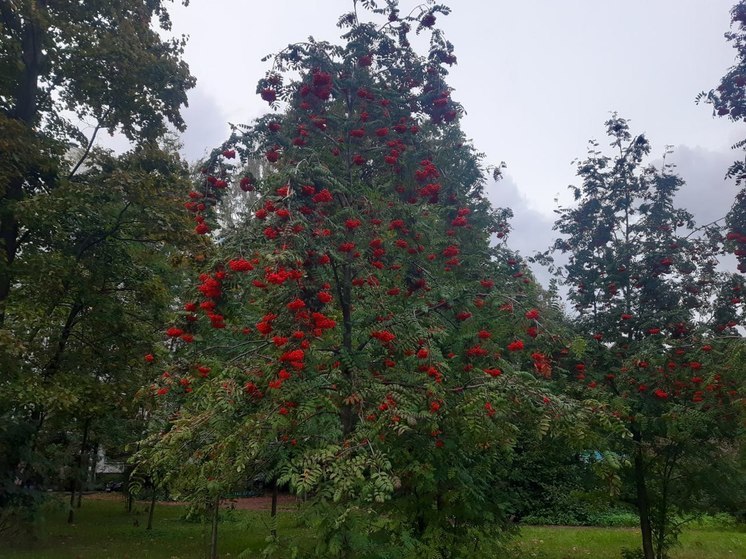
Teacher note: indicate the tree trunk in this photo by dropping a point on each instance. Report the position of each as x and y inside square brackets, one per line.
[344, 292]
[273, 513]
[85, 471]
[9, 240]
[76, 484]
[643, 504]
[32, 56]
[71, 508]
[214, 534]
[662, 520]
[151, 510]
[53, 364]
[129, 499]
[25, 111]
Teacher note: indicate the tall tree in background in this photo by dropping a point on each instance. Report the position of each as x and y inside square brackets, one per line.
[358, 334]
[729, 100]
[84, 236]
[67, 62]
[659, 318]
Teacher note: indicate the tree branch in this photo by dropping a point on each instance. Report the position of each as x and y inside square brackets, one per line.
[88, 148]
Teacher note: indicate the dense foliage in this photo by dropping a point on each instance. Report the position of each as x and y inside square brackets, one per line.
[729, 100]
[345, 318]
[360, 334]
[85, 236]
[659, 318]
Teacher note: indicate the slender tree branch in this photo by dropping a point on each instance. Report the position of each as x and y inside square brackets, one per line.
[88, 148]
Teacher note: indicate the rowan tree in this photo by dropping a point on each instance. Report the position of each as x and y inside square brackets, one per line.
[658, 317]
[361, 333]
[729, 101]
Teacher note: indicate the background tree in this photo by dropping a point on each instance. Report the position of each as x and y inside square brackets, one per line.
[76, 231]
[133, 82]
[360, 329]
[652, 304]
[92, 288]
[729, 100]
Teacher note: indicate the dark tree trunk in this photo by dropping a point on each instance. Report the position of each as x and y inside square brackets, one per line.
[25, 111]
[214, 533]
[53, 364]
[344, 292]
[273, 513]
[130, 500]
[76, 484]
[71, 509]
[85, 473]
[152, 509]
[9, 240]
[643, 503]
[32, 55]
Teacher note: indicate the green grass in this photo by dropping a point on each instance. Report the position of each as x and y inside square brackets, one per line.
[104, 530]
[545, 542]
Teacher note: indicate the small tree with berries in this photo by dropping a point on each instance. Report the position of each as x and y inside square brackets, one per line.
[360, 335]
[659, 318]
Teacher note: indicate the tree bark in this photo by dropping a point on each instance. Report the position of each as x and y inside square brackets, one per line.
[85, 469]
[152, 509]
[130, 500]
[273, 513]
[9, 239]
[344, 291]
[53, 364]
[76, 484]
[643, 503]
[25, 111]
[79, 502]
[32, 55]
[214, 534]
[71, 508]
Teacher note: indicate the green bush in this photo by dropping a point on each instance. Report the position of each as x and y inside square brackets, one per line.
[585, 516]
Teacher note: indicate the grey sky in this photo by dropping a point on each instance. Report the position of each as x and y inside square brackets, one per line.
[537, 78]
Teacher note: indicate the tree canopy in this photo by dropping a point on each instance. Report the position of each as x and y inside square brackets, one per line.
[329, 304]
[360, 335]
[84, 235]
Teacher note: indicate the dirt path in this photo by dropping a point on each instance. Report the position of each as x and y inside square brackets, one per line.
[284, 502]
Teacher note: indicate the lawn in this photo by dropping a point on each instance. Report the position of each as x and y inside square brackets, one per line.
[551, 542]
[105, 531]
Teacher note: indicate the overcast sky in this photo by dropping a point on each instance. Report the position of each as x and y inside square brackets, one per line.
[537, 78]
